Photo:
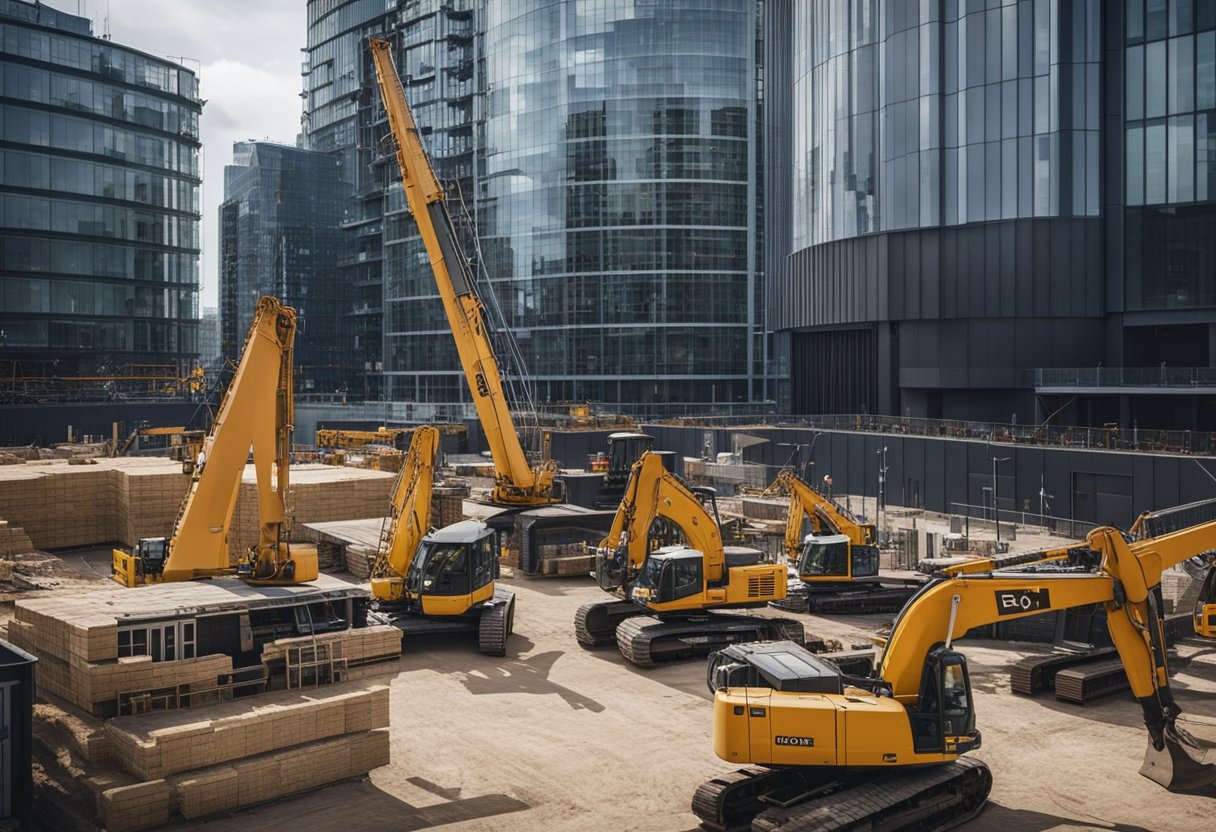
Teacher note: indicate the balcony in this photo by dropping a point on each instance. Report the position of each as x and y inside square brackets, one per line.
[1112, 381]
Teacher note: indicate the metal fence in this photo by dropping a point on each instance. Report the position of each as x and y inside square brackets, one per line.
[1062, 526]
[1125, 377]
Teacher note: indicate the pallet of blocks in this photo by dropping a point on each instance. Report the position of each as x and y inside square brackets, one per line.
[199, 761]
[562, 559]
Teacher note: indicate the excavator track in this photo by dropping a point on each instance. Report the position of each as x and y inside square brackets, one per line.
[849, 602]
[925, 798]
[647, 641]
[496, 625]
[1038, 673]
[595, 624]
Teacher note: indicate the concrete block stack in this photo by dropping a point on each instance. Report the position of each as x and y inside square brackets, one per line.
[359, 560]
[318, 493]
[447, 504]
[562, 559]
[148, 501]
[365, 650]
[765, 508]
[13, 540]
[205, 760]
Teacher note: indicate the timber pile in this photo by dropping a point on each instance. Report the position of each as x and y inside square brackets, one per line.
[124, 499]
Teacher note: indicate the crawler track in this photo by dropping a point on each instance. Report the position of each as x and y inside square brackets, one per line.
[848, 602]
[927, 799]
[595, 624]
[496, 625]
[647, 641]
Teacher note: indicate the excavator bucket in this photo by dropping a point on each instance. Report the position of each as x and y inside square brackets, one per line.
[1184, 764]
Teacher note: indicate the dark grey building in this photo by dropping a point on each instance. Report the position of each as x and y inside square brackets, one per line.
[280, 235]
[970, 202]
[99, 185]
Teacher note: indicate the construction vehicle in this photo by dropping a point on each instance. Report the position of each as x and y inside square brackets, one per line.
[886, 752]
[440, 582]
[837, 564]
[1205, 606]
[517, 484]
[668, 597]
[257, 411]
[349, 438]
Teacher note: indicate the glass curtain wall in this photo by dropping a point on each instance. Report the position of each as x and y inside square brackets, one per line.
[914, 115]
[618, 204]
[1170, 153]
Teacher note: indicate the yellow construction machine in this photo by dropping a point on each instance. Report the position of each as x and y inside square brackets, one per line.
[441, 582]
[667, 596]
[517, 483]
[887, 751]
[256, 412]
[837, 564]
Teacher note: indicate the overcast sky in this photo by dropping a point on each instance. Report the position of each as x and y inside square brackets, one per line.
[247, 54]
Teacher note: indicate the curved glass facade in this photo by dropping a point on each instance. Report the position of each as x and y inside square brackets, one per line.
[913, 115]
[618, 205]
[100, 205]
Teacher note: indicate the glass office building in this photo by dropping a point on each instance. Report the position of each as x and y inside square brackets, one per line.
[974, 200]
[280, 235]
[99, 185]
[619, 207]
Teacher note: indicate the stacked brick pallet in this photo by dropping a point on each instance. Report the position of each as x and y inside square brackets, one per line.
[13, 540]
[126, 499]
[318, 493]
[447, 504]
[201, 761]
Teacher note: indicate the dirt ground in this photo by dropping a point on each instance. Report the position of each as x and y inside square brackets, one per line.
[557, 737]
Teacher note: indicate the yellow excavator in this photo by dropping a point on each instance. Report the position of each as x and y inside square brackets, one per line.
[517, 483]
[668, 596]
[887, 752]
[441, 582]
[836, 565]
[257, 412]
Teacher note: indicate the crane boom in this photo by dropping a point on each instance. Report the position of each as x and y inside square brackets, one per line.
[516, 482]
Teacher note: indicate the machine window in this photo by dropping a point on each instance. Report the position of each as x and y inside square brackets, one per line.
[825, 559]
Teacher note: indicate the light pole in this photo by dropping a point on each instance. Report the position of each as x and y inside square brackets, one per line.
[996, 512]
[882, 479]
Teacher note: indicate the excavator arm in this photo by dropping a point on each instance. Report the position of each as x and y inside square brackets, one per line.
[1125, 578]
[653, 492]
[249, 417]
[516, 482]
[409, 518]
[822, 512]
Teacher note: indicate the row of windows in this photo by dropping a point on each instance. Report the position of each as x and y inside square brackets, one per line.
[27, 254]
[36, 84]
[640, 351]
[1155, 19]
[40, 296]
[37, 213]
[79, 176]
[1171, 76]
[102, 336]
[23, 126]
[1172, 160]
[100, 58]
[410, 387]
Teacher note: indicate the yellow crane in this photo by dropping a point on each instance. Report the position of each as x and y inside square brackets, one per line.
[888, 751]
[257, 412]
[441, 581]
[663, 594]
[517, 483]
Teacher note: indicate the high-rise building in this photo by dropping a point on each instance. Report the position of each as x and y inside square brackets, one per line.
[607, 158]
[99, 185]
[998, 211]
[279, 235]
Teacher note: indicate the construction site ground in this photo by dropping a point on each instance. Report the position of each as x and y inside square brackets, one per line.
[557, 737]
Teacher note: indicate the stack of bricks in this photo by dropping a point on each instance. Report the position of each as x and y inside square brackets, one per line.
[447, 504]
[13, 540]
[366, 650]
[148, 501]
[78, 657]
[564, 559]
[359, 560]
[765, 508]
[236, 754]
[318, 493]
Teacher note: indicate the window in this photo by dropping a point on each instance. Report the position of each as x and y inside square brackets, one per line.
[164, 642]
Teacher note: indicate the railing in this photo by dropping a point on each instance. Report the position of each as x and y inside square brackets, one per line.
[1062, 526]
[1125, 377]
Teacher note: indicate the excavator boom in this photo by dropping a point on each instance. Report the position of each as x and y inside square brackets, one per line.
[409, 517]
[517, 483]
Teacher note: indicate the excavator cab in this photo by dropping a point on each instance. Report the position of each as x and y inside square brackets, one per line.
[453, 570]
[669, 575]
[832, 556]
[1205, 606]
[943, 719]
[145, 564]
